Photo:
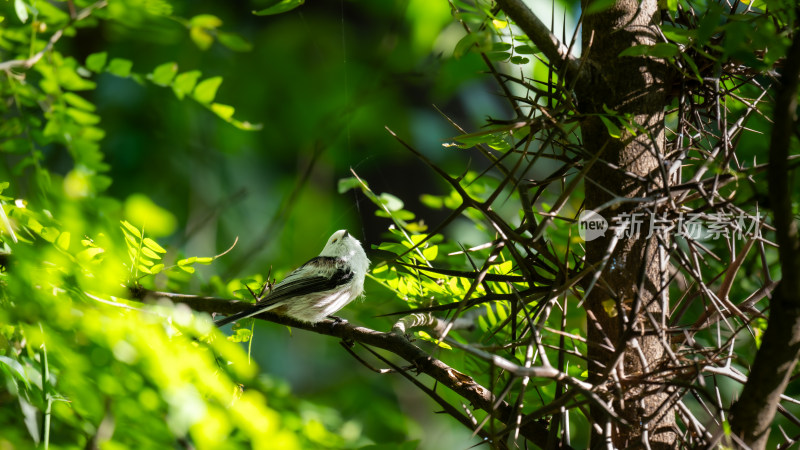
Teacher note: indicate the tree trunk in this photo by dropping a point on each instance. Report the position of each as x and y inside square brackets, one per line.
[628, 168]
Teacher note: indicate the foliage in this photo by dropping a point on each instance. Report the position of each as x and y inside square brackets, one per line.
[501, 267]
[81, 365]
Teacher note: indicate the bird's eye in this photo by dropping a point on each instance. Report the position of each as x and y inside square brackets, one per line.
[334, 241]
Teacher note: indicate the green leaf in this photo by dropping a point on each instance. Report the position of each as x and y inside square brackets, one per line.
[132, 242]
[201, 37]
[613, 129]
[96, 61]
[16, 369]
[63, 241]
[690, 62]
[185, 82]
[519, 60]
[120, 67]
[432, 201]
[345, 184]
[431, 252]
[153, 245]
[163, 74]
[279, 7]
[78, 101]
[234, 42]
[526, 49]
[205, 260]
[224, 111]
[664, 50]
[672, 5]
[49, 234]
[83, 117]
[188, 269]
[206, 90]
[22, 10]
[391, 202]
[150, 254]
[205, 21]
[187, 261]
[480, 39]
[660, 50]
[498, 56]
[131, 229]
[679, 35]
[156, 268]
[427, 337]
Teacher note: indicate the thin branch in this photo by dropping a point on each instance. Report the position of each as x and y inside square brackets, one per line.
[26, 64]
[540, 34]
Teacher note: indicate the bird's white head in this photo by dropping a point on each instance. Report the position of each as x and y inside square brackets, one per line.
[342, 245]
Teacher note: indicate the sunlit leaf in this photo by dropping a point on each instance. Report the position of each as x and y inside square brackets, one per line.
[22, 10]
[206, 90]
[391, 202]
[163, 74]
[131, 229]
[150, 254]
[96, 61]
[201, 37]
[63, 241]
[223, 111]
[153, 245]
[613, 129]
[184, 83]
[345, 184]
[78, 101]
[205, 21]
[120, 67]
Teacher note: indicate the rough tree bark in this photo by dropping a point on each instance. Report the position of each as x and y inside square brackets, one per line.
[634, 86]
[752, 415]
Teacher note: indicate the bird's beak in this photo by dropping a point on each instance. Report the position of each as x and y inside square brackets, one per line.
[346, 233]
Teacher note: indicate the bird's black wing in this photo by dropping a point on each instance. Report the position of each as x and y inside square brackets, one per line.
[323, 273]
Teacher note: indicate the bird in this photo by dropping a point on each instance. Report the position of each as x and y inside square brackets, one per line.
[320, 287]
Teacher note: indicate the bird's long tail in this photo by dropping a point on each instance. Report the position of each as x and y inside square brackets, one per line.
[257, 309]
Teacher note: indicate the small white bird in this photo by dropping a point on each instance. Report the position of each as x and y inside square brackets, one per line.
[318, 288]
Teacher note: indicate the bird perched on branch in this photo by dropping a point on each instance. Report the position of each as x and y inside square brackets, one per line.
[320, 287]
